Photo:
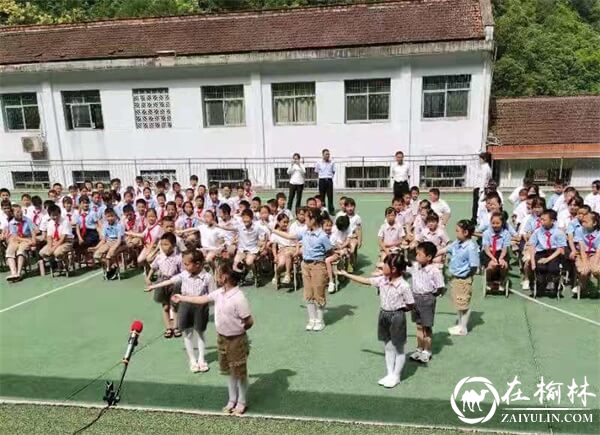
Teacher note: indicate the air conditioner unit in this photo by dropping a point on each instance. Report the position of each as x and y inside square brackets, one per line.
[32, 144]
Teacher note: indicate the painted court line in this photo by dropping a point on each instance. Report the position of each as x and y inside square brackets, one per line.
[26, 301]
[16, 401]
[560, 310]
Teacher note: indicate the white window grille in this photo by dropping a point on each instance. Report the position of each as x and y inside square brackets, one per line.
[152, 108]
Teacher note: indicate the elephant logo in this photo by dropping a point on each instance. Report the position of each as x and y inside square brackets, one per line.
[471, 400]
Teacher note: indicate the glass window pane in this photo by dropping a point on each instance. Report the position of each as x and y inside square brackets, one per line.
[14, 118]
[11, 99]
[212, 92]
[29, 98]
[433, 105]
[91, 96]
[356, 86]
[284, 110]
[81, 116]
[236, 91]
[459, 82]
[434, 83]
[356, 107]
[379, 85]
[378, 106]
[214, 113]
[97, 115]
[32, 117]
[282, 89]
[234, 112]
[305, 88]
[305, 109]
[458, 102]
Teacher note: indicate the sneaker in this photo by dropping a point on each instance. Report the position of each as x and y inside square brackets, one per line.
[194, 368]
[391, 381]
[575, 291]
[112, 274]
[416, 355]
[286, 279]
[319, 326]
[383, 380]
[331, 287]
[525, 284]
[425, 357]
[457, 330]
[310, 325]
[275, 281]
[501, 288]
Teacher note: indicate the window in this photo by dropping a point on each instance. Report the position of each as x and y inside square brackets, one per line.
[294, 103]
[446, 96]
[282, 179]
[154, 175]
[442, 176]
[82, 109]
[226, 177]
[80, 177]
[21, 111]
[223, 105]
[31, 180]
[547, 176]
[361, 177]
[367, 100]
[152, 108]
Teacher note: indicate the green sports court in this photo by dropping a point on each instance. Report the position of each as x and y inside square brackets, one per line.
[61, 338]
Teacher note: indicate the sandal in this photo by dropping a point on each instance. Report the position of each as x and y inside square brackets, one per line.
[228, 409]
[168, 333]
[239, 410]
[177, 332]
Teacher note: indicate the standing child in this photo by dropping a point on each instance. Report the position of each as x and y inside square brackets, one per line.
[59, 239]
[395, 299]
[192, 319]
[495, 244]
[427, 284]
[232, 319]
[168, 264]
[315, 248]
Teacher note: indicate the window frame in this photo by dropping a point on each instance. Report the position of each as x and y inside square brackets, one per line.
[423, 178]
[227, 182]
[44, 184]
[141, 91]
[92, 179]
[154, 175]
[22, 107]
[445, 92]
[294, 98]
[223, 99]
[367, 94]
[382, 182]
[68, 109]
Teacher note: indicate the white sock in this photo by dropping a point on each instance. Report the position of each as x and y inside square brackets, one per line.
[312, 311]
[188, 334]
[233, 391]
[390, 357]
[399, 363]
[319, 314]
[201, 347]
[171, 313]
[465, 319]
[242, 385]
[459, 318]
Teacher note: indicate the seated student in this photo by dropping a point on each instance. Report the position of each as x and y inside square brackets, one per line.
[492, 205]
[213, 202]
[25, 203]
[199, 207]
[311, 203]
[229, 239]
[226, 197]
[211, 238]
[161, 206]
[272, 206]
[111, 241]
[140, 213]
[4, 194]
[193, 183]
[150, 237]
[567, 215]
[131, 225]
[339, 236]
[255, 206]
[587, 238]
[433, 233]
[342, 206]
[248, 192]
[559, 188]
[593, 198]
[390, 235]
[405, 212]
[21, 238]
[168, 226]
[36, 211]
[547, 247]
[88, 225]
[414, 199]
[187, 220]
[419, 224]
[562, 201]
[59, 240]
[355, 231]
[179, 203]
[68, 212]
[531, 224]
[265, 218]
[52, 196]
[148, 198]
[281, 200]
[521, 211]
[439, 206]
[74, 194]
[495, 244]
[127, 200]
[188, 195]
[6, 215]
[572, 251]
[283, 251]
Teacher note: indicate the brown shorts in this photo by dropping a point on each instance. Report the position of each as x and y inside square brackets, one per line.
[315, 279]
[17, 246]
[57, 251]
[461, 291]
[233, 355]
[108, 248]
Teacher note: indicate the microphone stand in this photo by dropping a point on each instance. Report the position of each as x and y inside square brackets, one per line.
[112, 397]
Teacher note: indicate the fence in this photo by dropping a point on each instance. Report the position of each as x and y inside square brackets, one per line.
[353, 173]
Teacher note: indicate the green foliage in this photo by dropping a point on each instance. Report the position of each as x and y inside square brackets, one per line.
[544, 47]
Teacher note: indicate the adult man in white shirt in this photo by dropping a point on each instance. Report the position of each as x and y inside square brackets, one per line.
[325, 170]
[400, 175]
[482, 176]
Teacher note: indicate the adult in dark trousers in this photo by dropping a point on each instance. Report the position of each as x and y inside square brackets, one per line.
[325, 169]
[483, 175]
[296, 172]
[400, 175]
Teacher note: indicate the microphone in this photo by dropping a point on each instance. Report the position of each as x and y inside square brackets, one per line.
[136, 330]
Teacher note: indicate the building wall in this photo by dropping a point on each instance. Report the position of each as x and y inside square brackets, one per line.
[259, 138]
[582, 171]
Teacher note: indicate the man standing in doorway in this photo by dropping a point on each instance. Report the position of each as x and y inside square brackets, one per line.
[325, 169]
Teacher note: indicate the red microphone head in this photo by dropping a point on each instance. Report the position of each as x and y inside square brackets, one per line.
[137, 326]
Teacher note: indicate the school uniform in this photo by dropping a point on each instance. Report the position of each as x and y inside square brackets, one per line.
[438, 237]
[338, 238]
[296, 227]
[19, 240]
[113, 235]
[249, 238]
[192, 315]
[464, 260]
[440, 207]
[593, 200]
[87, 222]
[496, 241]
[185, 222]
[521, 213]
[591, 243]
[395, 297]
[425, 283]
[285, 245]
[55, 231]
[71, 216]
[167, 267]
[315, 246]
[546, 242]
[210, 238]
[391, 235]
[231, 308]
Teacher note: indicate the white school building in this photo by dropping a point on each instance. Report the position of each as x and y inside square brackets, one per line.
[229, 96]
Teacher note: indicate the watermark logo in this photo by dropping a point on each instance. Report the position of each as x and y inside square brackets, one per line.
[471, 398]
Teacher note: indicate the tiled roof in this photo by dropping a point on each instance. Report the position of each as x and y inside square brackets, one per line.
[547, 120]
[392, 22]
